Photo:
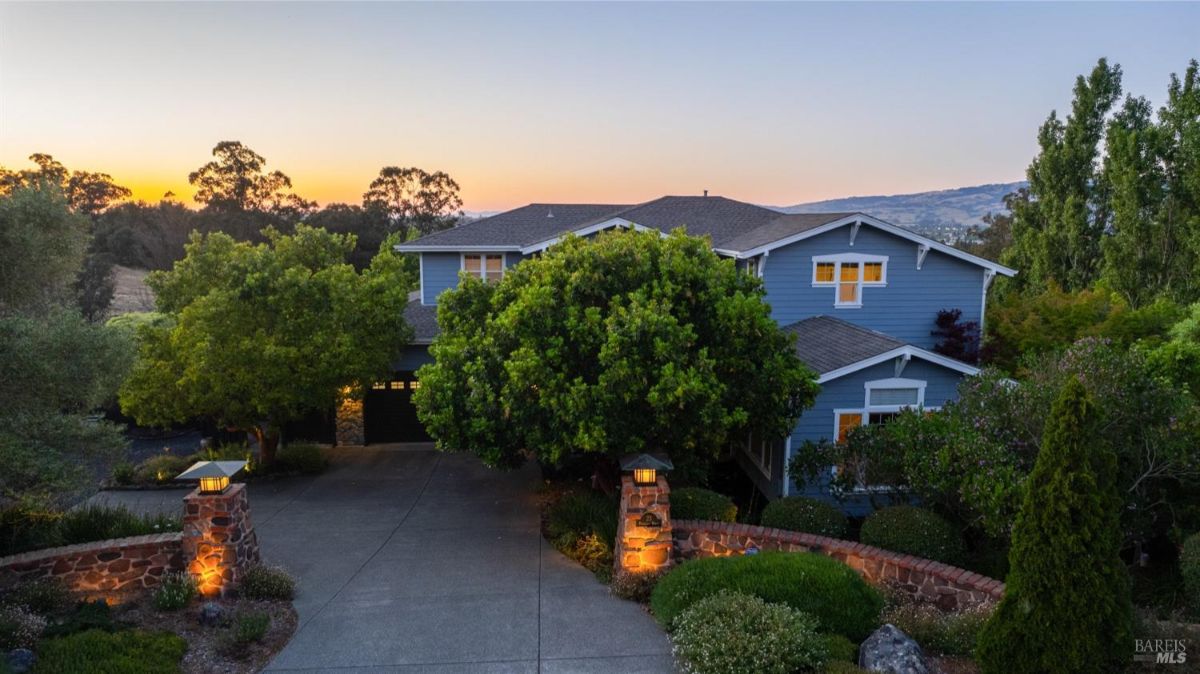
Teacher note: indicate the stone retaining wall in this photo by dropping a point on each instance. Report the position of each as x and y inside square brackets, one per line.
[104, 569]
[948, 587]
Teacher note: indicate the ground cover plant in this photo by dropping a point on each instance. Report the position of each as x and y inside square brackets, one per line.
[583, 526]
[800, 513]
[267, 582]
[731, 633]
[840, 600]
[121, 652]
[696, 503]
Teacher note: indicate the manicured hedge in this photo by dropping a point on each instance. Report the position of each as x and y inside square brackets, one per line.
[694, 503]
[799, 513]
[831, 591]
[914, 531]
[731, 633]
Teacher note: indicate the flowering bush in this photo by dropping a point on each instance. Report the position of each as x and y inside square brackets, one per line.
[19, 627]
[939, 632]
[972, 458]
[730, 633]
[175, 592]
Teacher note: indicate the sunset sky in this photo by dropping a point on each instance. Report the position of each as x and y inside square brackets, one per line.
[774, 104]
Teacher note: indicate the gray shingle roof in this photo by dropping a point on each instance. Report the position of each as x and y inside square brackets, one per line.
[423, 321]
[733, 225]
[826, 343]
[521, 226]
[779, 228]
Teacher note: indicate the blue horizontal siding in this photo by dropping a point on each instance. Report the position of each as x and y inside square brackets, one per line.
[849, 392]
[439, 271]
[905, 309]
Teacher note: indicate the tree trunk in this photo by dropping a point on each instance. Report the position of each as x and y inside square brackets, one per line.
[268, 442]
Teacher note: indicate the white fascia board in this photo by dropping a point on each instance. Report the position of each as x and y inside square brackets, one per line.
[610, 223]
[887, 227]
[906, 350]
[409, 248]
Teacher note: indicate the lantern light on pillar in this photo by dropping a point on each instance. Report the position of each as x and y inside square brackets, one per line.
[212, 475]
[645, 467]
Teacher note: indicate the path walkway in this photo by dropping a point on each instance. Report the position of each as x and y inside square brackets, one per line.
[411, 560]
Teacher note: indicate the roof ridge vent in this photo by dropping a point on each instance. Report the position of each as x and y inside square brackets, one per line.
[549, 212]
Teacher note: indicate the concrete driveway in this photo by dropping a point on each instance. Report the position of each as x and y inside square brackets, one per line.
[412, 560]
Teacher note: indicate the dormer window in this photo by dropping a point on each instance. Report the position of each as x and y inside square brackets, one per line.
[848, 274]
[486, 266]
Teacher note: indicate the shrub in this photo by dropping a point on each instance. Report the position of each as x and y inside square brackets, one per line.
[88, 615]
[19, 628]
[127, 652]
[268, 582]
[914, 531]
[161, 468]
[124, 474]
[101, 522]
[305, 458]
[1069, 527]
[823, 587]
[583, 513]
[249, 627]
[635, 586]
[840, 648]
[25, 527]
[1189, 566]
[799, 513]
[731, 633]
[939, 632]
[694, 503]
[176, 591]
[46, 596]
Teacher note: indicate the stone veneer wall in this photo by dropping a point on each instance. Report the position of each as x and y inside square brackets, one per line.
[641, 548]
[104, 569]
[219, 542]
[948, 587]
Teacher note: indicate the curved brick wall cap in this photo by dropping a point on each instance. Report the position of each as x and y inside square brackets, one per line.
[947, 586]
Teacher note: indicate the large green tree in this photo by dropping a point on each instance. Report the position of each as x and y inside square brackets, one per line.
[630, 342]
[1066, 605]
[42, 246]
[414, 200]
[237, 181]
[257, 335]
[1057, 230]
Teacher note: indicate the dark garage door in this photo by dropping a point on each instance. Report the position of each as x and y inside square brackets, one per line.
[389, 414]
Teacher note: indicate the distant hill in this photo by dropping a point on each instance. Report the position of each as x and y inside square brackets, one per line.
[943, 214]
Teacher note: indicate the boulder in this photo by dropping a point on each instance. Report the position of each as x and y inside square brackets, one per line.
[892, 651]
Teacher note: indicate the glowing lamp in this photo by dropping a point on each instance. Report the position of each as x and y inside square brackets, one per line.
[213, 475]
[645, 467]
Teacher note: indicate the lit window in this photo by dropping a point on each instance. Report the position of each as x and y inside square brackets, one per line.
[848, 284]
[379, 386]
[849, 273]
[414, 385]
[490, 268]
[846, 421]
[397, 386]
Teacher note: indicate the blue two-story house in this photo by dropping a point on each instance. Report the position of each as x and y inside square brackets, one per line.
[861, 295]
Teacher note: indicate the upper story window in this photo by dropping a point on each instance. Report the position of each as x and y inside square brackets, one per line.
[848, 274]
[487, 266]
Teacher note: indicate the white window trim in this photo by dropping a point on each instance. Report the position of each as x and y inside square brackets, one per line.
[838, 259]
[483, 256]
[892, 383]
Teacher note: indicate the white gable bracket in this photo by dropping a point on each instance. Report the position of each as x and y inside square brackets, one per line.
[922, 251]
[901, 361]
[854, 230]
[989, 275]
[762, 263]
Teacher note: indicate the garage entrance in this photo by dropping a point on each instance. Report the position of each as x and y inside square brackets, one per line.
[389, 414]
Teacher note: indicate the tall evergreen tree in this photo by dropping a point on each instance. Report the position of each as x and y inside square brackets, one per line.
[1057, 230]
[1066, 607]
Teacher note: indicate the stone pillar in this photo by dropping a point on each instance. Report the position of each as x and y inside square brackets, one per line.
[349, 423]
[219, 543]
[644, 528]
